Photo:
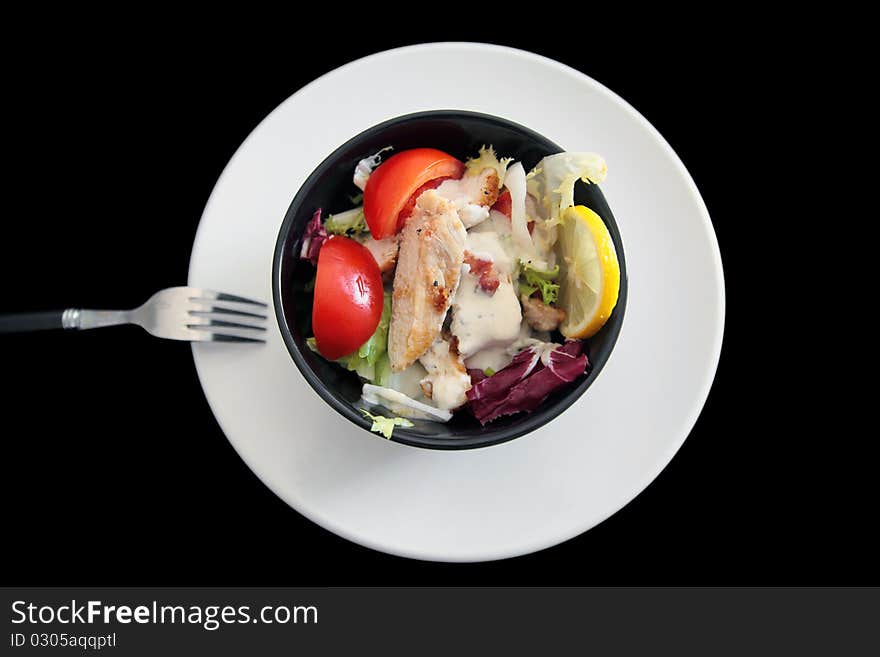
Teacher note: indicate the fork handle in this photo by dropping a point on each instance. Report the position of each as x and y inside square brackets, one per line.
[41, 321]
[72, 318]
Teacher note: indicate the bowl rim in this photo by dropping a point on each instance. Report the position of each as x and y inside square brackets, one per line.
[525, 424]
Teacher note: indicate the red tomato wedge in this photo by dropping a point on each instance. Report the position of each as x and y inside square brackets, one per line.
[394, 182]
[504, 205]
[410, 205]
[348, 297]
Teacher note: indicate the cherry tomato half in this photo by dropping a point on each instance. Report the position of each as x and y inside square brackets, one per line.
[348, 297]
[393, 183]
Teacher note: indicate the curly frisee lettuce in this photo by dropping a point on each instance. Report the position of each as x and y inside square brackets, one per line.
[487, 159]
[348, 223]
[535, 279]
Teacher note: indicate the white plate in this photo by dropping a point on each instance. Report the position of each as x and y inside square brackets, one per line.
[535, 491]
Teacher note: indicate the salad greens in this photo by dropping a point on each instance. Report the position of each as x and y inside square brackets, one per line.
[487, 159]
[371, 357]
[535, 279]
[552, 181]
[532, 375]
[313, 239]
[348, 223]
[385, 425]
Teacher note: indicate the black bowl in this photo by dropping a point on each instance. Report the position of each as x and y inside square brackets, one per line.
[329, 187]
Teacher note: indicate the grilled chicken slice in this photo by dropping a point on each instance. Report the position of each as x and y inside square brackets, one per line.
[427, 275]
[541, 316]
[447, 381]
[472, 195]
[384, 250]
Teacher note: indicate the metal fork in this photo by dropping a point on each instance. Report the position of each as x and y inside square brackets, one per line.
[176, 313]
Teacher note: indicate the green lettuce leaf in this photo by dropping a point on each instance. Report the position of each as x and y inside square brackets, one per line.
[385, 425]
[384, 374]
[350, 222]
[552, 181]
[377, 345]
[535, 279]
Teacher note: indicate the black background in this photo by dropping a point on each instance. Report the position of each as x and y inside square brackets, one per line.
[114, 471]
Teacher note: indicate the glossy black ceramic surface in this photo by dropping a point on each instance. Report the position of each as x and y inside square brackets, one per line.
[330, 187]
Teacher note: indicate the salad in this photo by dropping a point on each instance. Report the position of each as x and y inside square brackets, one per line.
[461, 287]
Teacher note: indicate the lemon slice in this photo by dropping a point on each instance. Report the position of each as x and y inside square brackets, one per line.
[589, 279]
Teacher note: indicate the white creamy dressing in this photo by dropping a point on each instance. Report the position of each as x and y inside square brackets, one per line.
[500, 224]
[499, 357]
[528, 337]
[487, 245]
[481, 320]
[460, 193]
[495, 358]
[448, 382]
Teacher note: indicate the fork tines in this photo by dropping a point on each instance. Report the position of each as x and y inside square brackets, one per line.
[227, 317]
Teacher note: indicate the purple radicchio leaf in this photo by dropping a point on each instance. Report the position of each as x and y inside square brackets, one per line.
[476, 375]
[564, 365]
[313, 239]
[568, 362]
[500, 382]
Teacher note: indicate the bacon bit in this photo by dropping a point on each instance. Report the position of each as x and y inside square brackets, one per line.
[485, 269]
[489, 284]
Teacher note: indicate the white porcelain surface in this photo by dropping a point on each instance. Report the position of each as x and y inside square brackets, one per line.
[532, 492]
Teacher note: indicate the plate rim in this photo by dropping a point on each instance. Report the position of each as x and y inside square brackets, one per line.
[672, 445]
